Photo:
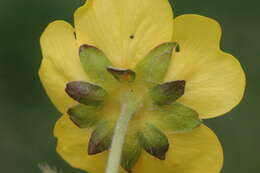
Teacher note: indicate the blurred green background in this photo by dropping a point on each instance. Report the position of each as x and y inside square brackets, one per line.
[27, 117]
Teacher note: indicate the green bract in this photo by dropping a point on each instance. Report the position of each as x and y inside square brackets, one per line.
[168, 92]
[101, 138]
[122, 75]
[154, 141]
[176, 118]
[86, 93]
[153, 67]
[131, 152]
[84, 116]
[146, 96]
[95, 64]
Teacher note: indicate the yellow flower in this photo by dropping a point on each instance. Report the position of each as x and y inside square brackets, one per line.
[126, 31]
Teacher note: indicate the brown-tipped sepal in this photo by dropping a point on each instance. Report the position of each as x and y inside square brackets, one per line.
[122, 75]
[154, 141]
[86, 93]
[95, 62]
[166, 93]
[100, 139]
[130, 154]
[84, 116]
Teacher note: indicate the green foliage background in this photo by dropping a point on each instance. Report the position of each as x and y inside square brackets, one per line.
[27, 117]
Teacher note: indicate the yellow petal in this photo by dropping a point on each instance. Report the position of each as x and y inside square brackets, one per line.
[198, 151]
[72, 145]
[125, 30]
[60, 63]
[215, 79]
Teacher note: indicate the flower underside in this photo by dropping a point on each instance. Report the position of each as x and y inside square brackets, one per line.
[157, 112]
[199, 77]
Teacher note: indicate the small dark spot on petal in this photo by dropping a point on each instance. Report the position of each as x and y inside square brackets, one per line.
[178, 49]
[75, 35]
[131, 36]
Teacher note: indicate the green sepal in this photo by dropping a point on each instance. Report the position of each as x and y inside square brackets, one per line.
[176, 118]
[154, 66]
[166, 93]
[86, 93]
[154, 141]
[130, 154]
[122, 75]
[100, 139]
[95, 62]
[84, 116]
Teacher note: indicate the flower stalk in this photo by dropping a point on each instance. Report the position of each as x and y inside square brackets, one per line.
[128, 109]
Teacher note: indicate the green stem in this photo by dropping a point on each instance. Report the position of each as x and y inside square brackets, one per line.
[127, 111]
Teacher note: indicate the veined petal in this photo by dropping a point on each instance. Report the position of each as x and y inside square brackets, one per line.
[198, 151]
[60, 63]
[215, 80]
[125, 30]
[72, 145]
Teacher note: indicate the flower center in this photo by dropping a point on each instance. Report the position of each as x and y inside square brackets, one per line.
[138, 97]
[115, 99]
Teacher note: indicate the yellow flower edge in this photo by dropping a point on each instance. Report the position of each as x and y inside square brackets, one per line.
[215, 79]
[60, 63]
[198, 151]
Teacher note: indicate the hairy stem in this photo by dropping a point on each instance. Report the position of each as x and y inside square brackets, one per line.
[128, 109]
